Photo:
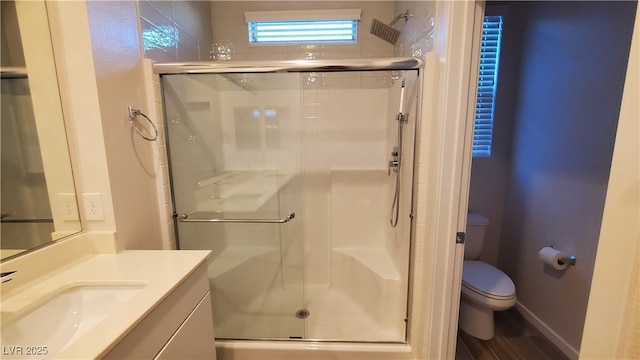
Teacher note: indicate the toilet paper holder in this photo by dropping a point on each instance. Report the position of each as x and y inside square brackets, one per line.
[570, 259]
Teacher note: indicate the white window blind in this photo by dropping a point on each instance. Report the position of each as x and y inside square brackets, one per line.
[487, 84]
[300, 32]
[298, 27]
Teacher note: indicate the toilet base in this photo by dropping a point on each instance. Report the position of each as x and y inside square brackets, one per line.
[476, 320]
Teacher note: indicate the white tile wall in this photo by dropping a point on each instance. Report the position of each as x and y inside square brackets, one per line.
[181, 29]
[343, 130]
[416, 37]
[428, 105]
[230, 31]
[359, 208]
[188, 26]
[154, 106]
[262, 140]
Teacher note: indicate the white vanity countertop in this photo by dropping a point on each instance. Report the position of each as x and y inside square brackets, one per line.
[159, 271]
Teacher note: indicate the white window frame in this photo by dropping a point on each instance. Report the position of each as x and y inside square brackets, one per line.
[487, 85]
[306, 21]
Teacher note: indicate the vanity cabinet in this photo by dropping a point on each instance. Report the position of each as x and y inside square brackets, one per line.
[180, 327]
[186, 342]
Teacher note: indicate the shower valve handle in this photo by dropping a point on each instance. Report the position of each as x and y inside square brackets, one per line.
[393, 163]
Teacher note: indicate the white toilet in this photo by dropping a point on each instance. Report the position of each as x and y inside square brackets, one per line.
[485, 289]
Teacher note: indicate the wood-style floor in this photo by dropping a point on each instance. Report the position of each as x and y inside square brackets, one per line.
[515, 339]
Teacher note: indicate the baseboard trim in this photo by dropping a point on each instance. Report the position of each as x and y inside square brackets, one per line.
[558, 341]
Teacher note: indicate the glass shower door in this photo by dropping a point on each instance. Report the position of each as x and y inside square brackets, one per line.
[235, 164]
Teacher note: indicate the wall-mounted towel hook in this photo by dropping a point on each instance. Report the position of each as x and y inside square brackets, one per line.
[132, 115]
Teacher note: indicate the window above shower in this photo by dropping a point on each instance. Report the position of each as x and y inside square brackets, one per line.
[230, 29]
[303, 27]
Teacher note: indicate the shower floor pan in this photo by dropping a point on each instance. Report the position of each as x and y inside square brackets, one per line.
[365, 302]
[334, 316]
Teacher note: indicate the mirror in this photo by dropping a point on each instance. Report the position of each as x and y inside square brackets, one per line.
[38, 199]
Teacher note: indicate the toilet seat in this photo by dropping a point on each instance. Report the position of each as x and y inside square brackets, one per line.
[487, 281]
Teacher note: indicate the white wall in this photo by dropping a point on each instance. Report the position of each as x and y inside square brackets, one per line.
[573, 62]
[97, 89]
[79, 97]
[117, 55]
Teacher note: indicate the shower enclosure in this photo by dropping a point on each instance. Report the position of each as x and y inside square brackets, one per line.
[288, 172]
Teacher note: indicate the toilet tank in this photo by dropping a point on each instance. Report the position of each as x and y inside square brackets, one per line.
[474, 238]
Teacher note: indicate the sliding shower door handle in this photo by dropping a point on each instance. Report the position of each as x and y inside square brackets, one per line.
[185, 218]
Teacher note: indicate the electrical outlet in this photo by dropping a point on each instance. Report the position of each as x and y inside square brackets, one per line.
[93, 206]
[68, 206]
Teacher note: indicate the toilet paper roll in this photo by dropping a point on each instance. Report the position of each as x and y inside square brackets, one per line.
[552, 257]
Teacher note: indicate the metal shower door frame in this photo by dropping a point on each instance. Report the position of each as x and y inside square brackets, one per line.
[306, 66]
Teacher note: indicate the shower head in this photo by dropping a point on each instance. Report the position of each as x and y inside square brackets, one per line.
[387, 32]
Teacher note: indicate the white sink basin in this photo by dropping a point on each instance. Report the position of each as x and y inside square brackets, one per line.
[60, 320]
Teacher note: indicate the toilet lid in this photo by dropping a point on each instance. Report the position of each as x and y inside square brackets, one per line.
[484, 278]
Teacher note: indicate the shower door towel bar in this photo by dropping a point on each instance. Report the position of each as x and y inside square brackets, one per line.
[132, 115]
[185, 218]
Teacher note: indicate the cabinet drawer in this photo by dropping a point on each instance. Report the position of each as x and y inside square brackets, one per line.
[150, 335]
[195, 338]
